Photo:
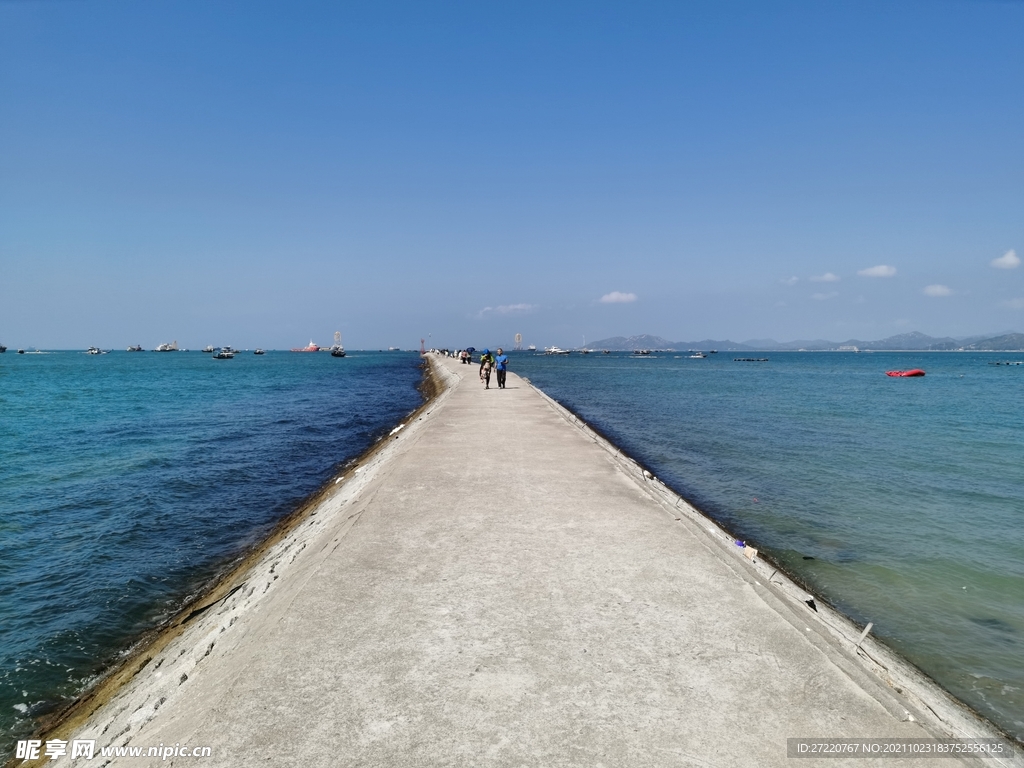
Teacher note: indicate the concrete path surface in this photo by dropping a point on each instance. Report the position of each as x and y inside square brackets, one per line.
[493, 589]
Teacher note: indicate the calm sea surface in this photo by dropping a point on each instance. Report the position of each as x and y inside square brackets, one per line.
[899, 500]
[128, 480]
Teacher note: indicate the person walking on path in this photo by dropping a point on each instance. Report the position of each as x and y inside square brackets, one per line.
[501, 366]
[486, 363]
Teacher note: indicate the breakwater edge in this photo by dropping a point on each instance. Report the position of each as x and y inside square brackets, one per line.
[899, 505]
[133, 482]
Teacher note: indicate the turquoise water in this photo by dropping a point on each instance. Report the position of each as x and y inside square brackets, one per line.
[129, 480]
[901, 501]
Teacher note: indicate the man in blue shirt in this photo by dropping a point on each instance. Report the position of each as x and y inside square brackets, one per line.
[501, 366]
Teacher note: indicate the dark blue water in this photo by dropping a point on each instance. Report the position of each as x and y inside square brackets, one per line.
[907, 493]
[129, 480]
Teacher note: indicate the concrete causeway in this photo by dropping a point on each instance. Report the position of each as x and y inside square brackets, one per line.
[497, 586]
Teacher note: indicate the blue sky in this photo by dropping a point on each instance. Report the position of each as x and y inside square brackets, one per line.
[262, 173]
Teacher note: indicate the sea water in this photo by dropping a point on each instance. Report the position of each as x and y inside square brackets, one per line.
[899, 500]
[129, 480]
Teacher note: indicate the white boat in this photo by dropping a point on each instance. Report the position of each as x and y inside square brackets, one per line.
[697, 356]
[93, 351]
[337, 350]
[172, 347]
[224, 353]
[532, 348]
[136, 348]
[208, 349]
[555, 351]
[259, 352]
[583, 349]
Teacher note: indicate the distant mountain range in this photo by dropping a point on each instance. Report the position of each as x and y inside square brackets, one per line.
[915, 342]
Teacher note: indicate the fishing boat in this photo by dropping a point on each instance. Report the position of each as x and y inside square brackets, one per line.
[337, 350]
[311, 347]
[905, 374]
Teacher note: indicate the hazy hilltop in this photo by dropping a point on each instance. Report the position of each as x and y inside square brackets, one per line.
[647, 341]
[913, 341]
[1008, 341]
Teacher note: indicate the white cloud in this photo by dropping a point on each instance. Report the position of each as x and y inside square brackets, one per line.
[1009, 260]
[882, 270]
[617, 297]
[825, 296]
[1015, 303]
[936, 290]
[507, 309]
[828, 277]
[790, 280]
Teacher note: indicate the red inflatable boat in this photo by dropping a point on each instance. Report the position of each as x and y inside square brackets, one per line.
[911, 372]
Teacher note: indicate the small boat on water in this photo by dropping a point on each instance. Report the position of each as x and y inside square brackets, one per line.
[2, 349]
[224, 353]
[337, 350]
[136, 348]
[555, 351]
[208, 349]
[259, 351]
[905, 374]
[532, 348]
[172, 347]
[697, 356]
[94, 351]
[311, 347]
